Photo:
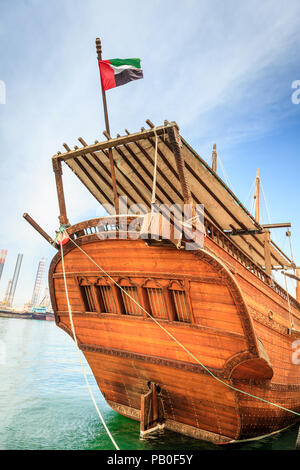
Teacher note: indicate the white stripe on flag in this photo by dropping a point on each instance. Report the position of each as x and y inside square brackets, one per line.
[121, 68]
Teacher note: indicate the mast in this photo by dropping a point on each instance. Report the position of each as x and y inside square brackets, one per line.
[111, 160]
[267, 235]
[257, 196]
[214, 157]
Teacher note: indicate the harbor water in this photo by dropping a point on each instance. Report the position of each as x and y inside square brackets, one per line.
[44, 402]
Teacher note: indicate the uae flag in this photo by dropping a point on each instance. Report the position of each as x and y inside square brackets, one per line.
[117, 72]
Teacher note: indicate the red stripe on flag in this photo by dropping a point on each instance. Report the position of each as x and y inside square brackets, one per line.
[107, 75]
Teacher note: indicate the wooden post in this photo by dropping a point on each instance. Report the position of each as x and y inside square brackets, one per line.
[42, 232]
[267, 247]
[257, 196]
[111, 160]
[175, 141]
[63, 219]
[154, 404]
[214, 158]
[146, 400]
[151, 415]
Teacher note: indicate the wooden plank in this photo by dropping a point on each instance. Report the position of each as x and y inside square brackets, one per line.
[112, 143]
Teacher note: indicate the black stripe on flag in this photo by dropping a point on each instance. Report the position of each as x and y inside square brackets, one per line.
[127, 76]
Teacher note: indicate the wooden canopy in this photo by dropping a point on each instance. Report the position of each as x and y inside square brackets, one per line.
[134, 156]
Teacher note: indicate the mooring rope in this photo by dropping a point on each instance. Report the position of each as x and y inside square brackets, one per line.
[78, 351]
[180, 344]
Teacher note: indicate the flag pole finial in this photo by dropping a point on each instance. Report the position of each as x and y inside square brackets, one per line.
[99, 49]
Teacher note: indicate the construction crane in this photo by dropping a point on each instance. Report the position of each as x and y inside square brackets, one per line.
[38, 283]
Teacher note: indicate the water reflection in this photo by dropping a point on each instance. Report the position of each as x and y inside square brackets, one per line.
[44, 403]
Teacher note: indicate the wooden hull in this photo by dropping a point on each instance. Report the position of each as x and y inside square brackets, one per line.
[238, 329]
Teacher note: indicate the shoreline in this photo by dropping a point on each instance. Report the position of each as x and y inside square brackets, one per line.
[5, 314]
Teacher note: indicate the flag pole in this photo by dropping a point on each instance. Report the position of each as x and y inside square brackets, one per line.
[111, 160]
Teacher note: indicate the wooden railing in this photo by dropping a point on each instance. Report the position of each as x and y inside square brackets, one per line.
[104, 224]
[224, 242]
[115, 224]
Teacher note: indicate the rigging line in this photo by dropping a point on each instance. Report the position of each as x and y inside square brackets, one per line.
[78, 351]
[225, 174]
[252, 206]
[274, 235]
[291, 248]
[181, 345]
[250, 194]
[266, 203]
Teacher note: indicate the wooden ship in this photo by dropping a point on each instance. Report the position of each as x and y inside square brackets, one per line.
[198, 341]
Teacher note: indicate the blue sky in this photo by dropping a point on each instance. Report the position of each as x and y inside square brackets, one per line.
[222, 69]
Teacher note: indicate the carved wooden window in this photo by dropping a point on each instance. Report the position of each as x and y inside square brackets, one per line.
[130, 298]
[156, 298]
[181, 308]
[157, 303]
[106, 299]
[180, 304]
[87, 295]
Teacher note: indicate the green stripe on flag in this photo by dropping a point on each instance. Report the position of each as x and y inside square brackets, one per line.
[133, 62]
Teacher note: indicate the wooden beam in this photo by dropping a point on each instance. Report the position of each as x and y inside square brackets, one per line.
[106, 170]
[112, 143]
[42, 232]
[208, 168]
[63, 219]
[242, 232]
[267, 248]
[298, 285]
[257, 181]
[292, 276]
[214, 158]
[208, 189]
[287, 224]
[112, 172]
[176, 144]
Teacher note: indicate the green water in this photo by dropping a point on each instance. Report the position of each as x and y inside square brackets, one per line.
[44, 402]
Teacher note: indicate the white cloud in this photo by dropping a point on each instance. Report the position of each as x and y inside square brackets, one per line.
[209, 65]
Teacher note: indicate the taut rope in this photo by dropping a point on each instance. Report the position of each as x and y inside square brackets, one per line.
[78, 351]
